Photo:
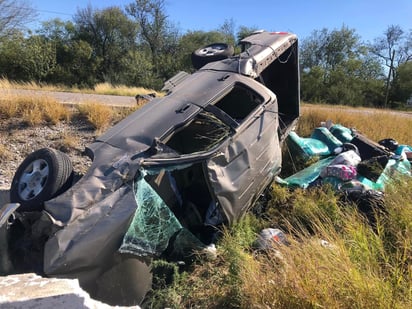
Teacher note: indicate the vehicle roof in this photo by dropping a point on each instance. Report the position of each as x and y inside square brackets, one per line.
[161, 115]
[193, 92]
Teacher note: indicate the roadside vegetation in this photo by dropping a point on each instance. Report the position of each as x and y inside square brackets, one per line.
[376, 124]
[335, 257]
[101, 88]
[138, 45]
[37, 110]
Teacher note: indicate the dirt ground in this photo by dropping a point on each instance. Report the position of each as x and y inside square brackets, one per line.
[18, 140]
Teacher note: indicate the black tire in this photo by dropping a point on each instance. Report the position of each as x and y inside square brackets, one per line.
[43, 175]
[210, 53]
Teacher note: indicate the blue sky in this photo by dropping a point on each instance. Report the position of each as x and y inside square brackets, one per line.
[369, 18]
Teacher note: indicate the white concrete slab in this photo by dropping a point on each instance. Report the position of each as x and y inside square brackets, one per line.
[32, 291]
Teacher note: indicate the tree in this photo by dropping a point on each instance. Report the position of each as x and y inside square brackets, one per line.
[111, 34]
[76, 64]
[13, 15]
[140, 70]
[41, 58]
[154, 26]
[329, 49]
[27, 59]
[228, 31]
[335, 68]
[57, 30]
[403, 83]
[393, 48]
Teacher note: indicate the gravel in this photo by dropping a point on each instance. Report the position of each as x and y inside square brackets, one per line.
[18, 140]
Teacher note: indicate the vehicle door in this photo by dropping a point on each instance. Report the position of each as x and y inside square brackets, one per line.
[252, 156]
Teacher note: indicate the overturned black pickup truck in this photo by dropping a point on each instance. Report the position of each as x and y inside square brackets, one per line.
[163, 179]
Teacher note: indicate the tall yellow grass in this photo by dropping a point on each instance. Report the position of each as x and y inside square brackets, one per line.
[106, 88]
[334, 259]
[98, 115]
[376, 124]
[32, 109]
[102, 88]
[7, 84]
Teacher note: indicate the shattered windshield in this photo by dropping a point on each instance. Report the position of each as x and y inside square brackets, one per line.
[154, 227]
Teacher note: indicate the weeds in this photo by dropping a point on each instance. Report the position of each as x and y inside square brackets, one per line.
[4, 153]
[375, 124]
[335, 258]
[106, 88]
[33, 110]
[98, 115]
[66, 142]
[102, 88]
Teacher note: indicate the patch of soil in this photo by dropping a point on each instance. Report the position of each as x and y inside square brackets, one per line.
[17, 140]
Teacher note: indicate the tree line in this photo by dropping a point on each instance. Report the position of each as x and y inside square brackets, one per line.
[138, 45]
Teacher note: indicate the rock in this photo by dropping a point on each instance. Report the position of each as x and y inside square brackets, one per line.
[32, 291]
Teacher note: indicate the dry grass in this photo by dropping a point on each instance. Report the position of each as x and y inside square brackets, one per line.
[121, 112]
[102, 88]
[98, 115]
[5, 153]
[36, 110]
[106, 88]
[67, 142]
[374, 123]
[33, 110]
[334, 259]
[7, 84]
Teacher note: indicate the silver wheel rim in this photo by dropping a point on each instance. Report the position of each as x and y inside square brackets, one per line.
[33, 179]
[212, 50]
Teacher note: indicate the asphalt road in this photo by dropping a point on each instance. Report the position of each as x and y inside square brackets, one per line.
[74, 97]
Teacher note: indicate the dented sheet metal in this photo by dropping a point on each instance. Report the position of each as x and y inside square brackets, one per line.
[262, 50]
[165, 179]
[249, 160]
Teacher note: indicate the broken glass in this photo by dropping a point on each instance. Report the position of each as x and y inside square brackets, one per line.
[155, 226]
[153, 223]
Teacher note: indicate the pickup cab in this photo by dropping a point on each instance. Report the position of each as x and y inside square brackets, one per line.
[168, 175]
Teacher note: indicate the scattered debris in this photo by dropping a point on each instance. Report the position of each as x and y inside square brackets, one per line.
[348, 160]
[144, 98]
[268, 238]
